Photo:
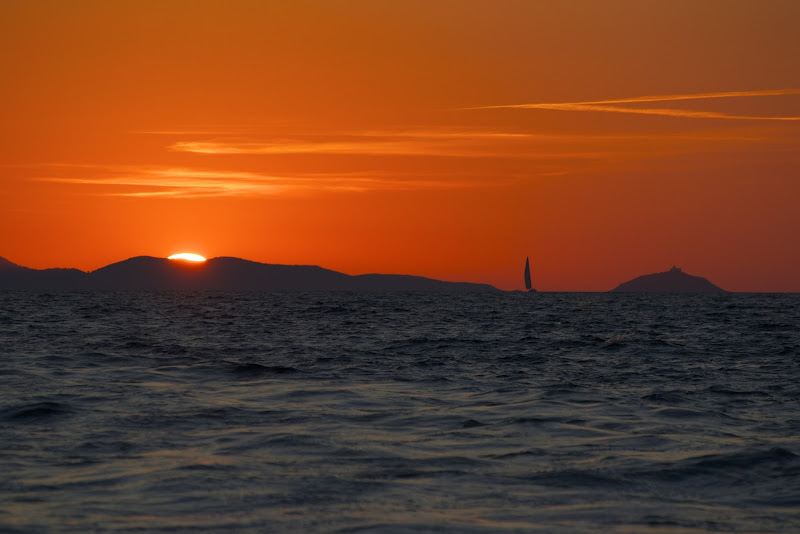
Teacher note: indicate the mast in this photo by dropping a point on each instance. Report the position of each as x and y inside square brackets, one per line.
[527, 274]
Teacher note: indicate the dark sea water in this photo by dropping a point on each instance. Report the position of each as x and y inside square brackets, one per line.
[342, 412]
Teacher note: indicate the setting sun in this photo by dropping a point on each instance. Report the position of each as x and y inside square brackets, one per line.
[188, 256]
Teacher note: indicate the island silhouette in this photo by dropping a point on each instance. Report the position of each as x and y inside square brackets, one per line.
[223, 273]
[672, 281]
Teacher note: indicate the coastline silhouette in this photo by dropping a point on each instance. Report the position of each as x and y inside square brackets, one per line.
[228, 273]
[223, 273]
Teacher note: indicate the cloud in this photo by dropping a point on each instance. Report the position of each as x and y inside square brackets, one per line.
[534, 155]
[444, 143]
[612, 106]
[699, 96]
[177, 182]
[384, 148]
[474, 144]
[194, 183]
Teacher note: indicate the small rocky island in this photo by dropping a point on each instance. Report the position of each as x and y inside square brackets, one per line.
[672, 281]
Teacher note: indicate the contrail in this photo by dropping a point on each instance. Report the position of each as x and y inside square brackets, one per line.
[612, 107]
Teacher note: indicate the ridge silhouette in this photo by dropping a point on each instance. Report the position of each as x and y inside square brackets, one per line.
[222, 273]
[13, 276]
[5, 264]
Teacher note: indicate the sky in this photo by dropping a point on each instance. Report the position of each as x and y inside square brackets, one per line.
[442, 138]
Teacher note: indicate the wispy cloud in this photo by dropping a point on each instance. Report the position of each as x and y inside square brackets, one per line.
[438, 143]
[194, 183]
[445, 143]
[613, 106]
[531, 155]
[699, 96]
[532, 147]
[178, 182]
[387, 148]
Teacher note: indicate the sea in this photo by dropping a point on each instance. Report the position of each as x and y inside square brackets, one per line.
[399, 412]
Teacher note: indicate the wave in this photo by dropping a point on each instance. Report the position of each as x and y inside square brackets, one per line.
[36, 411]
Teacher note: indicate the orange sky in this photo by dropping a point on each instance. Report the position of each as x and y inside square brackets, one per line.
[446, 138]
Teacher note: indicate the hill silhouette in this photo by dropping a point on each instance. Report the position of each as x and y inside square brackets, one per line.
[224, 273]
[6, 265]
[13, 276]
[672, 281]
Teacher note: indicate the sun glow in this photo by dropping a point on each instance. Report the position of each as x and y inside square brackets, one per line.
[187, 256]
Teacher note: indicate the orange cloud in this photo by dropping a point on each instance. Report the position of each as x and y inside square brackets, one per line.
[180, 182]
[192, 183]
[612, 107]
[423, 143]
[445, 143]
[391, 148]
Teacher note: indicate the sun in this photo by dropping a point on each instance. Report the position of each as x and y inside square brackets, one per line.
[187, 256]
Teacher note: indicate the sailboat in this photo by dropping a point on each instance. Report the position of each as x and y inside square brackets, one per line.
[528, 276]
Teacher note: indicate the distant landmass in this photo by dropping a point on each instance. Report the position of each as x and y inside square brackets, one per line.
[672, 281]
[225, 273]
